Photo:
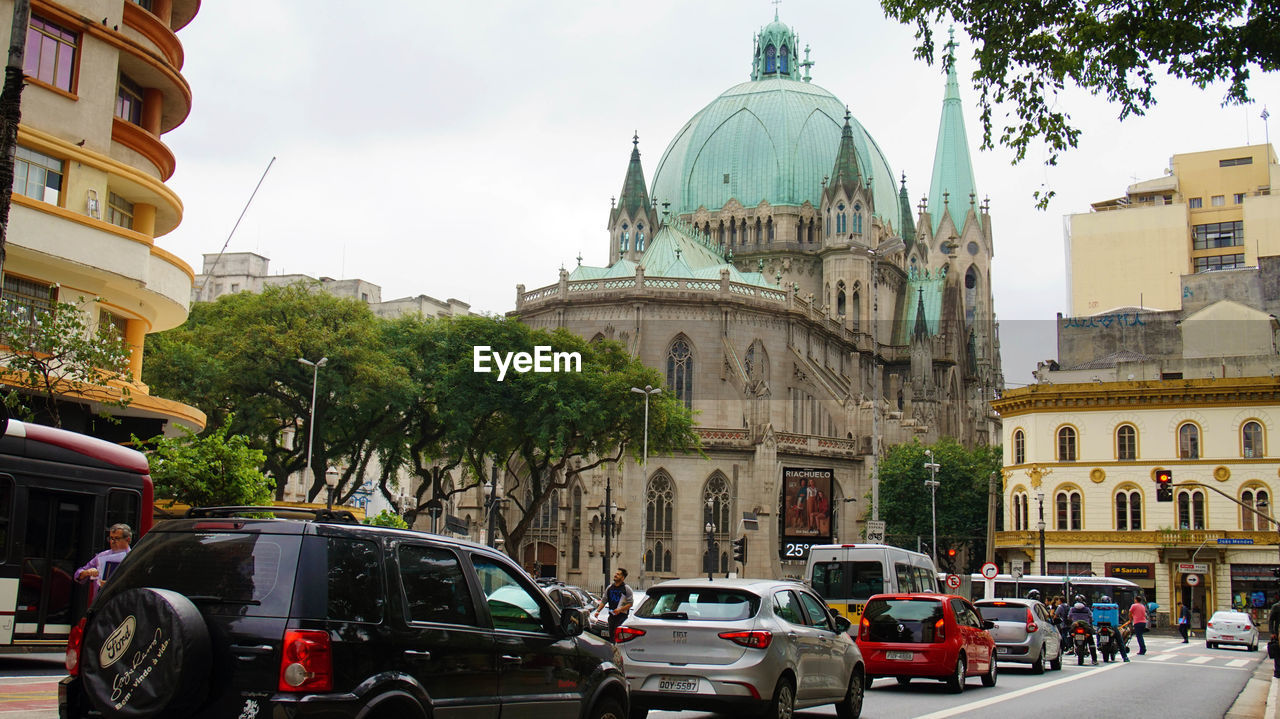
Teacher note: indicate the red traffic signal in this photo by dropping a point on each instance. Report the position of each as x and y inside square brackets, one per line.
[951, 553]
[1164, 485]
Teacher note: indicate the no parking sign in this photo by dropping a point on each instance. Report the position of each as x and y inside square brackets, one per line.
[953, 581]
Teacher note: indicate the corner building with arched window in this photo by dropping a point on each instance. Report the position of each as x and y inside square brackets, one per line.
[775, 272]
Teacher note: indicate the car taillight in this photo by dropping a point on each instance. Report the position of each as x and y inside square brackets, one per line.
[940, 630]
[74, 642]
[752, 639]
[306, 661]
[1211, 625]
[1247, 627]
[625, 634]
[864, 629]
[1032, 627]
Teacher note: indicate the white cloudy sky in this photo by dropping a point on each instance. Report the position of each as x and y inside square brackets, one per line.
[458, 149]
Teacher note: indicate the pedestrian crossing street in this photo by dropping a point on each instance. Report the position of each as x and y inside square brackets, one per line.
[1172, 652]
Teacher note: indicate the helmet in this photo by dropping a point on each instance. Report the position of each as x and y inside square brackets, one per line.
[1105, 599]
[1078, 599]
[1033, 594]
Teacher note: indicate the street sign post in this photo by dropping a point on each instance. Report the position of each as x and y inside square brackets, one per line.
[1193, 579]
[953, 581]
[989, 572]
[875, 531]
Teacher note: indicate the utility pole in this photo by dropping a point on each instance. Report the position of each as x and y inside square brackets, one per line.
[993, 495]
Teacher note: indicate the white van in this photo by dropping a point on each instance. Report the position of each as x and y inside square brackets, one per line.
[846, 575]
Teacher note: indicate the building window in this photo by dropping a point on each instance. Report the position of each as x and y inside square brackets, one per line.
[1235, 161]
[626, 236]
[1188, 441]
[1255, 498]
[1217, 201]
[1129, 511]
[857, 219]
[715, 509]
[24, 299]
[1195, 203]
[680, 370]
[1069, 511]
[112, 323]
[840, 298]
[1251, 440]
[129, 100]
[576, 528]
[1238, 198]
[639, 237]
[144, 4]
[37, 175]
[1218, 262]
[1020, 513]
[1191, 510]
[783, 65]
[659, 523]
[841, 222]
[119, 211]
[1126, 442]
[1019, 447]
[51, 54]
[1067, 444]
[770, 59]
[1217, 234]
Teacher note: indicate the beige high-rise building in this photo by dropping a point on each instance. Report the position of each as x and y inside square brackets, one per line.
[103, 84]
[1211, 210]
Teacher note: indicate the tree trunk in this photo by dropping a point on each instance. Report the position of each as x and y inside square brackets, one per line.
[11, 113]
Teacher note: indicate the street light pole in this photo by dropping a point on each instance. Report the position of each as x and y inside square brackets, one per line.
[315, 380]
[331, 483]
[493, 505]
[932, 484]
[607, 510]
[644, 482]
[1040, 499]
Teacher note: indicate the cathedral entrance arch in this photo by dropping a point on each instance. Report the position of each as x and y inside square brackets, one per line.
[540, 559]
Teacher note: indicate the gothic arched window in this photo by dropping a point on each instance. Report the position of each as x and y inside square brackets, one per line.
[659, 523]
[770, 59]
[626, 236]
[639, 237]
[680, 370]
[783, 65]
[715, 510]
[840, 298]
[841, 223]
[576, 527]
[857, 218]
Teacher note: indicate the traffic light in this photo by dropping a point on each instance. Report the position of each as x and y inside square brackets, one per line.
[1164, 485]
[740, 550]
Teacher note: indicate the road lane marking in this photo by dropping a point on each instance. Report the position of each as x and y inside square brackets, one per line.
[1238, 662]
[1199, 660]
[1012, 695]
[1162, 657]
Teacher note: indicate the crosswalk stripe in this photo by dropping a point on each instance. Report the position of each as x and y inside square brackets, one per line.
[1237, 662]
[1199, 660]
[1161, 657]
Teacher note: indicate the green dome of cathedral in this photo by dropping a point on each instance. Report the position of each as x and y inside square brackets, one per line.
[773, 138]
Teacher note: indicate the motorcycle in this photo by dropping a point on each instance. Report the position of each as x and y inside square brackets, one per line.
[1108, 642]
[1081, 639]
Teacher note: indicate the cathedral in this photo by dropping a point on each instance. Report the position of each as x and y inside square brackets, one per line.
[775, 271]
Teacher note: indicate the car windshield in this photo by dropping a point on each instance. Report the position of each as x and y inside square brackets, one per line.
[702, 604]
[1229, 617]
[903, 620]
[1002, 612]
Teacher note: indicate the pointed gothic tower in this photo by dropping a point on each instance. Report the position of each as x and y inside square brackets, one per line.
[846, 208]
[633, 220]
[960, 240]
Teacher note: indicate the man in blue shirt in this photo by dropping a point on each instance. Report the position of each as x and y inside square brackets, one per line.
[618, 596]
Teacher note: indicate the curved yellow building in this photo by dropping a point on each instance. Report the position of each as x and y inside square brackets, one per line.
[103, 85]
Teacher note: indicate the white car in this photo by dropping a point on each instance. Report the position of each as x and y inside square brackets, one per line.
[1231, 628]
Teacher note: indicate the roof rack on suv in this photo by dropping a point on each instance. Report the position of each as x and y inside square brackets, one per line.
[320, 515]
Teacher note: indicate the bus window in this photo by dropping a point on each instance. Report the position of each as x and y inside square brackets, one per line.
[6, 514]
[925, 580]
[906, 580]
[866, 578]
[829, 580]
[122, 508]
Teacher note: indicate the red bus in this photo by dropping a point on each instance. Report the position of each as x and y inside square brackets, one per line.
[59, 492]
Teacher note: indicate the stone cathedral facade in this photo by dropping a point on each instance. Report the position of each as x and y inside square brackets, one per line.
[775, 269]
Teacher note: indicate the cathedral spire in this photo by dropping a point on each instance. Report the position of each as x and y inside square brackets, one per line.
[952, 169]
[778, 53]
[635, 197]
[846, 175]
[921, 330]
[908, 229]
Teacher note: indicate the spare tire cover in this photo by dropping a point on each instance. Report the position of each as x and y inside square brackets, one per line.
[145, 651]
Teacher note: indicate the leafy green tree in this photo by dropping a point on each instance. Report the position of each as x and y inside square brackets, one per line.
[1028, 52]
[239, 356]
[386, 518]
[962, 495]
[52, 356]
[216, 468]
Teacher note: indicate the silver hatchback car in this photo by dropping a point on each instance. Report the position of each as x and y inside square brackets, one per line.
[1024, 632]
[739, 646]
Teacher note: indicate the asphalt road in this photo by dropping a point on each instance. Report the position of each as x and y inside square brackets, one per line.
[1171, 680]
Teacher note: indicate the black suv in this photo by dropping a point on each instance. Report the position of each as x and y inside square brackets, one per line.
[225, 615]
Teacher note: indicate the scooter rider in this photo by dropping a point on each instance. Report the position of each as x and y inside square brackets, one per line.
[1064, 625]
[1081, 615]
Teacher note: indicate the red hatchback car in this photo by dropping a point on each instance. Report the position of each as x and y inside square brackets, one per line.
[929, 636]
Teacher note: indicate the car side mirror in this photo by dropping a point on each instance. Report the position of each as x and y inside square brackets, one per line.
[574, 621]
[843, 625]
[988, 624]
